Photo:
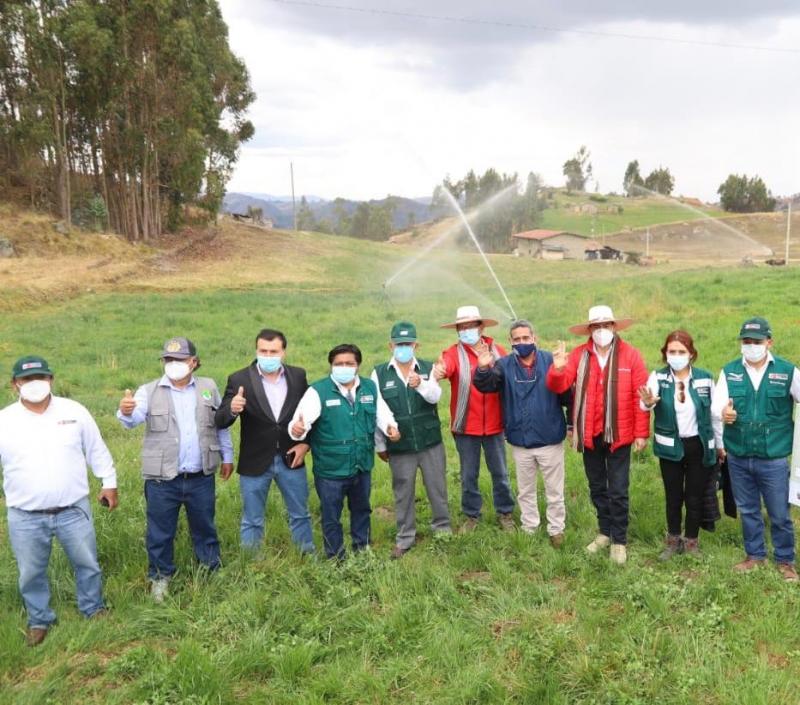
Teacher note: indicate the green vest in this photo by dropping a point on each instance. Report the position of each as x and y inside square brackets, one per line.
[417, 420]
[763, 427]
[342, 439]
[667, 442]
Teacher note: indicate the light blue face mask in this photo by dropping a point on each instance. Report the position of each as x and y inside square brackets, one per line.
[268, 363]
[469, 336]
[403, 353]
[343, 374]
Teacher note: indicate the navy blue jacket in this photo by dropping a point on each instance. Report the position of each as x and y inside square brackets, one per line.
[532, 415]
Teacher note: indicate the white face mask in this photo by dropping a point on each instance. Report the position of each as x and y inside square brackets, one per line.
[35, 391]
[602, 337]
[177, 369]
[678, 362]
[753, 352]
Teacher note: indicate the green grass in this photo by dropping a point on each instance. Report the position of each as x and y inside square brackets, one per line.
[488, 618]
[637, 213]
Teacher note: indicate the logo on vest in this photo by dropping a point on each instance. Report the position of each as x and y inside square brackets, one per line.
[333, 402]
[735, 376]
[206, 394]
[389, 384]
[781, 376]
[366, 399]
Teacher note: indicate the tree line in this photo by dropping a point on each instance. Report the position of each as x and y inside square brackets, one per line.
[120, 110]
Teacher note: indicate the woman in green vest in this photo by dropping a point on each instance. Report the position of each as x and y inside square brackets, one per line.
[683, 440]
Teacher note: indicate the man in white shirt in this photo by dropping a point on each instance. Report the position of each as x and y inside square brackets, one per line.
[45, 443]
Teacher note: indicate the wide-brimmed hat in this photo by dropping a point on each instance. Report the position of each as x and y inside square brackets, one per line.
[469, 314]
[600, 314]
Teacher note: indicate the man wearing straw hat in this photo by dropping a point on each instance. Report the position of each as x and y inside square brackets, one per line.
[607, 418]
[476, 419]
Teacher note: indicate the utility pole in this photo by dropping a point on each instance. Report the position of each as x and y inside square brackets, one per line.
[294, 206]
[788, 232]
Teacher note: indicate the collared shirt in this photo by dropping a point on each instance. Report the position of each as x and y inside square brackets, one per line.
[756, 374]
[602, 358]
[184, 401]
[685, 412]
[44, 456]
[428, 389]
[276, 391]
[310, 408]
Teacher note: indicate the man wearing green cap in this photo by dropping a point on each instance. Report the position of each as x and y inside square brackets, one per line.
[45, 443]
[182, 450]
[407, 386]
[752, 412]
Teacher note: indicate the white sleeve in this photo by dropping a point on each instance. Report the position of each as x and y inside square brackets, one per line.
[719, 400]
[96, 452]
[794, 390]
[385, 417]
[430, 390]
[309, 407]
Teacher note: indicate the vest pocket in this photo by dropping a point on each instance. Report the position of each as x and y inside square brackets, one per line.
[152, 463]
[776, 401]
[213, 457]
[208, 413]
[158, 423]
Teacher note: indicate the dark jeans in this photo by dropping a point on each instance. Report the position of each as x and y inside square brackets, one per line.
[684, 483]
[164, 500]
[332, 494]
[469, 456]
[608, 474]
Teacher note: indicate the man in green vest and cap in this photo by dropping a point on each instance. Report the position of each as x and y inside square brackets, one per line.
[752, 409]
[407, 386]
[339, 414]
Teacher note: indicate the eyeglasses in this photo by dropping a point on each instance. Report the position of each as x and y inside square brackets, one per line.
[681, 392]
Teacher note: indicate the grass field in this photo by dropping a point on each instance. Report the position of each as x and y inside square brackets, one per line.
[487, 618]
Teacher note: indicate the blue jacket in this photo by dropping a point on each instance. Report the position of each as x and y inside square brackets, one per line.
[532, 415]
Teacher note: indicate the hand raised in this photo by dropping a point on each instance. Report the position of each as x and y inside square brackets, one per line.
[647, 396]
[729, 413]
[127, 404]
[414, 380]
[238, 402]
[440, 369]
[485, 357]
[299, 427]
[560, 355]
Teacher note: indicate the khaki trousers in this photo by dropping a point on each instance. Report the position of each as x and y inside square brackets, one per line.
[550, 461]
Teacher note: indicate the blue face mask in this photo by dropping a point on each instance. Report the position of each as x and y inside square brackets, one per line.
[269, 364]
[470, 336]
[524, 349]
[343, 374]
[403, 353]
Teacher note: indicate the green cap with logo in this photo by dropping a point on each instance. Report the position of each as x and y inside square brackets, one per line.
[403, 332]
[756, 328]
[30, 365]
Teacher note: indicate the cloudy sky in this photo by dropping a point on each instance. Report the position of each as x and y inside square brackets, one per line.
[371, 97]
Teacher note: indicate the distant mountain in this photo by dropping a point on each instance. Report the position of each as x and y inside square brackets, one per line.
[270, 197]
[407, 211]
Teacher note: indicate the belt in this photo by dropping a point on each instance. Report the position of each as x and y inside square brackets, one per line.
[49, 510]
[189, 474]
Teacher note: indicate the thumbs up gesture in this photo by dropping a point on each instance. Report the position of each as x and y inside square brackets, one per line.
[298, 427]
[440, 368]
[485, 357]
[238, 402]
[560, 355]
[127, 404]
[414, 379]
[729, 413]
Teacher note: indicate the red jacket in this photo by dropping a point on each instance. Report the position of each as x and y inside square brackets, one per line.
[484, 413]
[632, 374]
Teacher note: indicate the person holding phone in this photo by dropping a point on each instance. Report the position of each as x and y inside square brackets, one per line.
[45, 443]
[265, 395]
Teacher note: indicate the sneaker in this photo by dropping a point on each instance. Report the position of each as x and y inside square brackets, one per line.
[398, 552]
[787, 570]
[749, 564]
[600, 541]
[506, 522]
[469, 525]
[672, 545]
[691, 547]
[35, 636]
[159, 589]
[619, 554]
[557, 540]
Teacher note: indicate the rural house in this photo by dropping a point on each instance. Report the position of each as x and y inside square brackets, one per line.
[550, 244]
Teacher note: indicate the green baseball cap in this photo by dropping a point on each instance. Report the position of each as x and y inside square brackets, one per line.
[30, 365]
[756, 328]
[403, 332]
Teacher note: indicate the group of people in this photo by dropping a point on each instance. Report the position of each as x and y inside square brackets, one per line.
[599, 396]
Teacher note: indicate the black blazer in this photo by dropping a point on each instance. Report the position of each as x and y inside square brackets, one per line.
[262, 435]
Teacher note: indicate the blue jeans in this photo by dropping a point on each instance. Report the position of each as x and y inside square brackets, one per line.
[609, 477]
[331, 499]
[31, 536]
[164, 500]
[469, 456]
[293, 485]
[752, 479]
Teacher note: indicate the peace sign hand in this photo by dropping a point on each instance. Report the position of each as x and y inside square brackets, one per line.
[560, 355]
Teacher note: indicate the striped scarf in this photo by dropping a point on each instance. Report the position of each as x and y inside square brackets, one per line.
[465, 386]
[611, 375]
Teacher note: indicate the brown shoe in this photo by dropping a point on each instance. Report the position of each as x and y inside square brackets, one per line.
[673, 545]
[748, 564]
[557, 540]
[469, 525]
[506, 522]
[691, 547]
[787, 570]
[35, 636]
[398, 552]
